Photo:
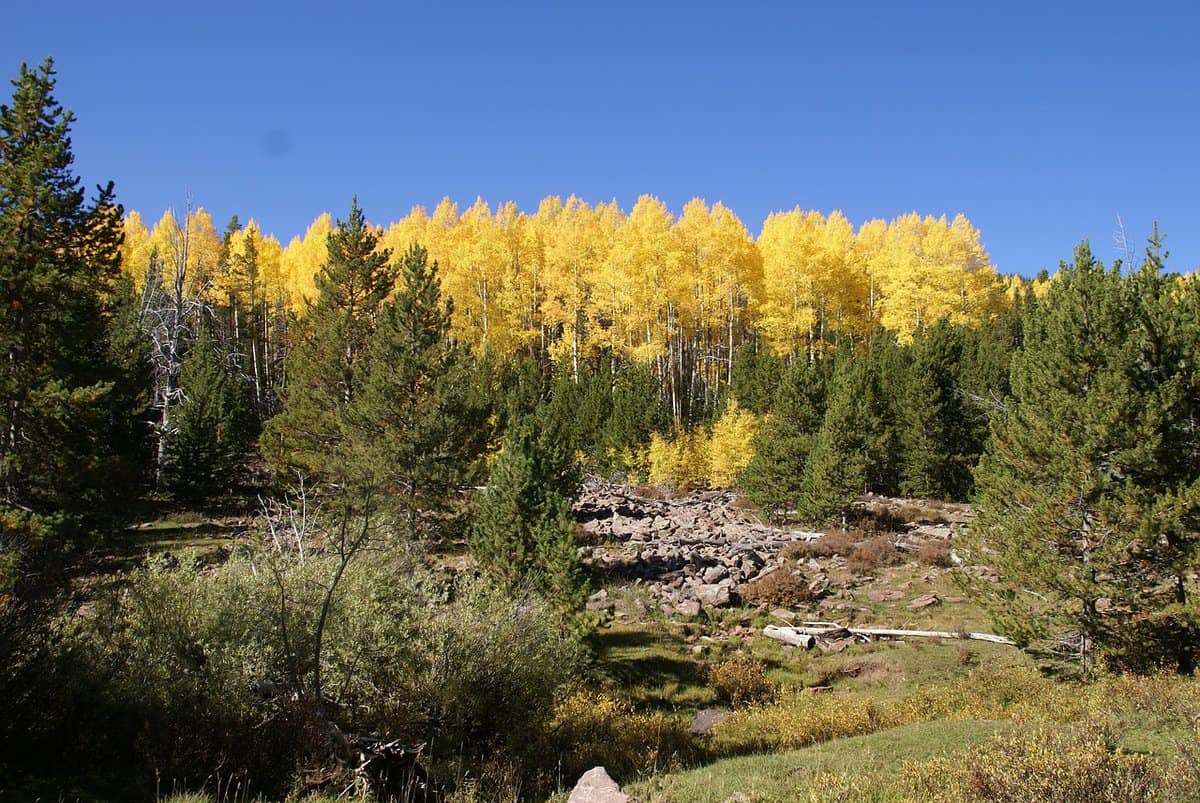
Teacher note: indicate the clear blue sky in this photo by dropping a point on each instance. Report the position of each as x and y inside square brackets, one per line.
[1042, 122]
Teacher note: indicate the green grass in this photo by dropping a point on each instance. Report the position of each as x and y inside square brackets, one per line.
[873, 760]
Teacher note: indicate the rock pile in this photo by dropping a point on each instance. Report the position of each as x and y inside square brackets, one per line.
[694, 553]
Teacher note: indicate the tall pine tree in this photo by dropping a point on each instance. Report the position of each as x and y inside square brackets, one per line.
[1087, 492]
[412, 422]
[65, 395]
[773, 479]
[322, 371]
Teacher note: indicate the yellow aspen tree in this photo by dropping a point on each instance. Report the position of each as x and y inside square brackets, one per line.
[731, 445]
[722, 271]
[648, 257]
[301, 260]
[610, 311]
[136, 248]
[402, 234]
[787, 308]
[842, 286]
[868, 256]
[190, 251]
[522, 281]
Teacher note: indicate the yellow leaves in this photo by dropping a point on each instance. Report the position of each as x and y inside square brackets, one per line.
[682, 461]
[301, 261]
[931, 268]
[697, 457]
[731, 445]
[574, 279]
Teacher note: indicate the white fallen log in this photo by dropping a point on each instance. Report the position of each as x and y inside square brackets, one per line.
[788, 636]
[796, 634]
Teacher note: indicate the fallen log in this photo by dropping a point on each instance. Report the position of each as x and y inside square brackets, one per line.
[787, 636]
[797, 635]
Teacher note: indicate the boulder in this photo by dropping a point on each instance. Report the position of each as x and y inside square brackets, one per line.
[713, 595]
[600, 601]
[595, 786]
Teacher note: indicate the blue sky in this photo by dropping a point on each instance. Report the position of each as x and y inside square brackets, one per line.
[1042, 122]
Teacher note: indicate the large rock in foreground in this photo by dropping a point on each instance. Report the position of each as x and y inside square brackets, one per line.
[595, 786]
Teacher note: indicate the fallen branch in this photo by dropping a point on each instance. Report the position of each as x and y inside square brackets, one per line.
[809, 633]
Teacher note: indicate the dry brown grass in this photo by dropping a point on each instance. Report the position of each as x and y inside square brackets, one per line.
[827, 546]
[874, 553]
[934, 553]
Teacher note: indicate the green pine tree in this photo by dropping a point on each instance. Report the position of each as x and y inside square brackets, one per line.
[783, 445]
[1086, 511]
[413, 423]
[66, 396]
[522, 532]
[938, 447]
[322, 367]
[756, 377]
[213, 426]
[850, 449]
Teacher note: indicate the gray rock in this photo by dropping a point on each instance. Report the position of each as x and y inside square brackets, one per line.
[600, 601]
[595, 786]
[713, 596]
[705, 720]
[689, 607]
[715, 574]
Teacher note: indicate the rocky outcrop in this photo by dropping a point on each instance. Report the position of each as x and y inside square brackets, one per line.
[694, 552]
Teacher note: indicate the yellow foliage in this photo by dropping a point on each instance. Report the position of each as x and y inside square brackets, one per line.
[731, 445]
[301, 261]
[682, 461]
[575, 279]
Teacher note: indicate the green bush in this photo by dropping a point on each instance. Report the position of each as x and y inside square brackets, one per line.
[217, 664]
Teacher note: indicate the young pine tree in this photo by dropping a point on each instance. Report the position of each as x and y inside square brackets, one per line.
[849, 450]
[522, 533]
[323, 366]
[786, 439]
[412, 424]
[213, 426]
[938, 448]
[1086, 509]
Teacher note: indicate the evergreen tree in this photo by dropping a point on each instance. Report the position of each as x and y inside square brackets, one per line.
[412, 421]
[65, 398]
[322, 368]
[938, 450]
[637, 411]
[522, 532]
[782, 447]
[756, 377]
[213, 426]
[849, 450]
[1083, 497]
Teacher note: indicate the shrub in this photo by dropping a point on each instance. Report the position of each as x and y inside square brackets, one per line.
[1071, 766]
[220, 672]
[741, 680]
[874, 553]
[591, 729]
[934, 553]
[799, 720]
[839, 543]
[780, 588]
